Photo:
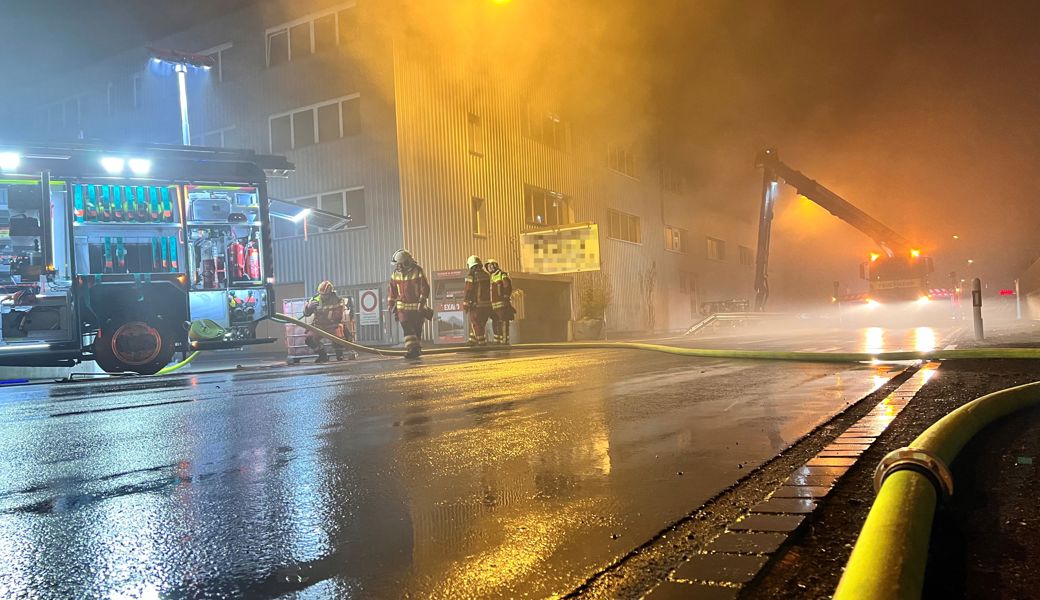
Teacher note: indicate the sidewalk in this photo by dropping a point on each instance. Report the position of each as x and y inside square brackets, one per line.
[984, 540]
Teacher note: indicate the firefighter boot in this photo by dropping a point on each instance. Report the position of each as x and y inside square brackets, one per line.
[323, 356]
[339, 354]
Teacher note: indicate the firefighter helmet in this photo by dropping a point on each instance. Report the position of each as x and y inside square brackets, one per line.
[401, 256]
[489, 262]
[325, 287]
[473, 261]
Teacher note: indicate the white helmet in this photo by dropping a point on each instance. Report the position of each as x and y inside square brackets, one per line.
[400, 256]
[472, 261]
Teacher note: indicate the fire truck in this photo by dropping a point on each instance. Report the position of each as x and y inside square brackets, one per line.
[109, 253]
[897, 273]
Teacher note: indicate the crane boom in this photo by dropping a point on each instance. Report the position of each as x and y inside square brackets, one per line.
[773, 172]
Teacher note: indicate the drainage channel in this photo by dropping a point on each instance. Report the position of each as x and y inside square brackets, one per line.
[718, 549]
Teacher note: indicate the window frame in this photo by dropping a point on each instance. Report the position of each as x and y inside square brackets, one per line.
[627, 223]
[625, 162]
[313, 108]
[475, 133]
[560, 128]
[684, 235]
[308, 20]
[719, 245]
[563, 207]
[478, 216]
[746, 251]
[217, 52]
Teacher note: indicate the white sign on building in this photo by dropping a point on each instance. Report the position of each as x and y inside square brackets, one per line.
[368, 303]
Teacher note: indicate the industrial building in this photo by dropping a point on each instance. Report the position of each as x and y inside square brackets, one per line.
[445, 156]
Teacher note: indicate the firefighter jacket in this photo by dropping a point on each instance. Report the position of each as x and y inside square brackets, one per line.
[409, 289]
[328, 312]
[501, 289]
[478, 289]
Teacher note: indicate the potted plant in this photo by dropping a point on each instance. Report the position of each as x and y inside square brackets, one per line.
[594, 297]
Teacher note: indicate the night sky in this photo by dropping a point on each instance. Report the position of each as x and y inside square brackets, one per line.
[922, 113]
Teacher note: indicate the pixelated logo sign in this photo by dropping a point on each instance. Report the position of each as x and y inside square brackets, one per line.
[572, 249]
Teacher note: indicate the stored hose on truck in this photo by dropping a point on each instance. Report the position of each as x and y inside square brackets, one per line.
[889, 558]
[836, 357]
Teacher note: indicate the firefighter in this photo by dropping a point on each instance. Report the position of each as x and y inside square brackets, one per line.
[328, 310]
[409, 291]
[501, 301]
[477, 301]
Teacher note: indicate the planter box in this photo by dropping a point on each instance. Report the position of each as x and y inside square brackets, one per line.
[587, 329]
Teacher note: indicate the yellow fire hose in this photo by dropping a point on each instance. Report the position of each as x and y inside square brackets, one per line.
[837, 357]
[889, 558]
[176, 366]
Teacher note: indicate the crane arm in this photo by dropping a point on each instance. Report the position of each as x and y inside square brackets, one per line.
[773, 172]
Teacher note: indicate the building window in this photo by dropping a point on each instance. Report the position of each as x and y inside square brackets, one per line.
[672, 181]
[545, 208]
[217, 138]
[315, 33]
[349, 203]
[479, 213]
[675, 239]
[476, 134]
[218, 53]
[315, 124]
[547, 128]
[623, 226]
[716, 249]
[622, 159]
[747, 256]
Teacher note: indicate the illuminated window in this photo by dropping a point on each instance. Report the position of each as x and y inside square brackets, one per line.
[624, 227]
[315, 33]
[479, 214]
[545, 208]
[476, 134]
[622, 159]
[716, 249]
[324, 122]
[675, 239]
[547, 128]
[747, 256]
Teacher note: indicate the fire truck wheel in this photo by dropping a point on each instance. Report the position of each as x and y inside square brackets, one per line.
[135, 346]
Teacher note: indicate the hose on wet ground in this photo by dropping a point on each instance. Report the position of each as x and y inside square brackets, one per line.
[179, 365]
[835, 357]
[891, 553]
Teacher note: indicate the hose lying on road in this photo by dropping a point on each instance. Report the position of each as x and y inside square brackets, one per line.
[889, 558]
[836, 357]
[176, 366]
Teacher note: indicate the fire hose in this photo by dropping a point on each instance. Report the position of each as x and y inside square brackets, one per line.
[891, 553]
[835, 357]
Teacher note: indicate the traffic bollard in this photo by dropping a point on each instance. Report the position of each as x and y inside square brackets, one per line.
[976, 307]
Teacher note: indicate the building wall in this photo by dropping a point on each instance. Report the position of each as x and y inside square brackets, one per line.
[440, 176]
[414, 162]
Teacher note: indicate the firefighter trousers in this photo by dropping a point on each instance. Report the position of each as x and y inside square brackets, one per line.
[478, 318]
[500, 324]
[411, 326]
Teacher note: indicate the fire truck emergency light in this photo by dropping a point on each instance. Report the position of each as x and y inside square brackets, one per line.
[9, 161]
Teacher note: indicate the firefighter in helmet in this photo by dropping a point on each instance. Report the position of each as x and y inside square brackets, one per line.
[477, 301]
[328, 310]
[409, 291]
[501, 301]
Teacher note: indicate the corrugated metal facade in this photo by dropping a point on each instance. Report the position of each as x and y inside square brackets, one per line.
[440, 176]
[414, 162]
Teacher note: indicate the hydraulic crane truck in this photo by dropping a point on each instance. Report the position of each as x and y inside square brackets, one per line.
[107, 253]
[899, 273]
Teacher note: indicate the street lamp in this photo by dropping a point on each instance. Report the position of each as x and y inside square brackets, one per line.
[181, 62]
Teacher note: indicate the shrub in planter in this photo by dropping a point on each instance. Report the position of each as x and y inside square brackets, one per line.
[594, 298]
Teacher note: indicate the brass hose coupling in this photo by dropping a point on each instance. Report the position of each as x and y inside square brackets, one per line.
[917, 460]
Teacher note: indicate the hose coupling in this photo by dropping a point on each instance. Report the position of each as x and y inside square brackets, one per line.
[917, 460]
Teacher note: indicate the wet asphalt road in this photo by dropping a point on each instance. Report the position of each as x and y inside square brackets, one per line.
[494, 477]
